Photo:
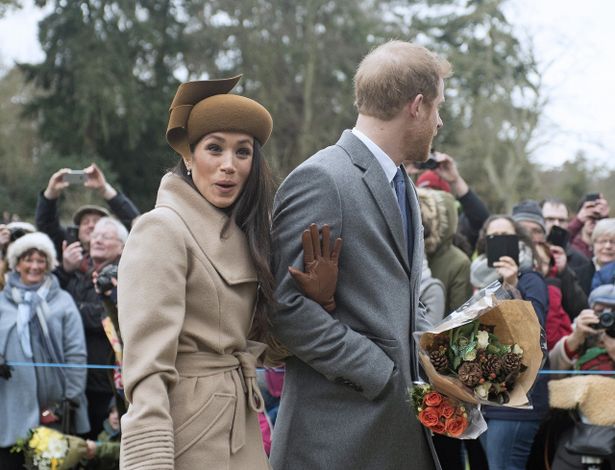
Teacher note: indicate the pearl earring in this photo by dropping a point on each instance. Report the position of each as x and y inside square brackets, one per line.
[189, 172]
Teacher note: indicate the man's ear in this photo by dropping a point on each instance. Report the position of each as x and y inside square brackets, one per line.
[414, 105]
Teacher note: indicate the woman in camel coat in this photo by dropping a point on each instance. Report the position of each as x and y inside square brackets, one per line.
[194, 285]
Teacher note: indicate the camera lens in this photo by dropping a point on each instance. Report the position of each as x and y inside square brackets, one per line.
[606, 319]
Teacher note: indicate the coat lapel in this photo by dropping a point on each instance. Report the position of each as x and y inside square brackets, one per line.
[229, 255]
[417, 229]
[380, 189]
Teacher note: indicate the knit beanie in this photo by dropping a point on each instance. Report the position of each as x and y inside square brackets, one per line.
[431, 179]
[529, 211]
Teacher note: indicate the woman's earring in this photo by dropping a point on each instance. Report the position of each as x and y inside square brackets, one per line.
[189, 172]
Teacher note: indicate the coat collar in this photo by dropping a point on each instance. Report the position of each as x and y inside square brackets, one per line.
[375, 179]
[229, 255]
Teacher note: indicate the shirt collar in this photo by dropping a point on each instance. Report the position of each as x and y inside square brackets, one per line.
[385, 161]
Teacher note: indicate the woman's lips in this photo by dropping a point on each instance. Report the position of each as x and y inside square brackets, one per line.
[225, 187]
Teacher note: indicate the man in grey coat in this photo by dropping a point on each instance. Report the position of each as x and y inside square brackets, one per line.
[345, 403]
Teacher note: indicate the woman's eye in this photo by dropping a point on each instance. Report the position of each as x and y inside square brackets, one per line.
[244, 152]
[214, 148]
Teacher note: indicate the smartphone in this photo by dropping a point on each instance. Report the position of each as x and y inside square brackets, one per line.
[72, 234]
[558, 236]
[75, 177]
[502, 245]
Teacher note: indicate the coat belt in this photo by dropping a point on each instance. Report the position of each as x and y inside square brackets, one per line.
[242, 366]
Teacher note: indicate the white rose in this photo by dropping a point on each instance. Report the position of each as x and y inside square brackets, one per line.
[517, 349]
[483, 339]
[470, 355]
[482, 390]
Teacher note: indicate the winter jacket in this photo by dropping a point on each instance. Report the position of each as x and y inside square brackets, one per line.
[447, 263]
[21, 395]
[92, 309]
[605, 275]
[558, 322]
[473, 216]
[432, 295]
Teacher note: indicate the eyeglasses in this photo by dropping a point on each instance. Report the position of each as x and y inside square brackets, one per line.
[604, 241]
[103, 236]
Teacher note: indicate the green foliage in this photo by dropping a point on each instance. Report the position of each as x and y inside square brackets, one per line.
[106, 82]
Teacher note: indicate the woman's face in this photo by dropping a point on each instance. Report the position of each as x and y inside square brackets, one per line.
[32, 268]
[604, 248]
[500, 227]
[221, 164]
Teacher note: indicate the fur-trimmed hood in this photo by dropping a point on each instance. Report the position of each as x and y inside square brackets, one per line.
[439, 213]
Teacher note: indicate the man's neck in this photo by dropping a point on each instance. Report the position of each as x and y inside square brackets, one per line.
[383, 134]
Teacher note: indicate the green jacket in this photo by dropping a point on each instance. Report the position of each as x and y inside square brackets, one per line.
[447, 262]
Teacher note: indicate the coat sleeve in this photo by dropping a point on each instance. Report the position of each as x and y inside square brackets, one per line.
[124, 209]
[151, 303]
[310, 195]
[460, 288]
[73, 343]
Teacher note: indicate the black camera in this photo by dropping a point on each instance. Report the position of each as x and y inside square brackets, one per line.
[103, 281]
[606, 321]
[429, 164]
[17, 232]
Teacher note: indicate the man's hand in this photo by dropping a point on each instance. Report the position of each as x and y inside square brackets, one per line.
[72, 256]
[56, 184]
[5, 236]
[96, 180]
[598, 209]
[559, 256]
[447, 169]
[582, 329]
[318, 281]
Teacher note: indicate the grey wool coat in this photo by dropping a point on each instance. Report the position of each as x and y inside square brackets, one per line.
[345, 402]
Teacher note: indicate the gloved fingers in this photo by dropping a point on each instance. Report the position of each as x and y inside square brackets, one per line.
[337, 249]
[315, 240]
[308, 249]
[326, 233]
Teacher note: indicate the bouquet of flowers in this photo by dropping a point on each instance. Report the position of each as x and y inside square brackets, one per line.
[488, 351]
[475, 355]
[444, 415]
[48, 449]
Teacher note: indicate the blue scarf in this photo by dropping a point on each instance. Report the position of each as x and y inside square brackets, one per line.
[31, 301]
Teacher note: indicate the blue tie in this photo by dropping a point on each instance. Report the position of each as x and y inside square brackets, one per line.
[400, 190]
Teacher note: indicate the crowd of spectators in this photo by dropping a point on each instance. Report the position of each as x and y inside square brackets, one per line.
[52, 311]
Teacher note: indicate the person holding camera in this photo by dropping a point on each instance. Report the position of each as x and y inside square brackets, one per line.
[39, 323]
[593, 207]
[106, 246]
[48, 220]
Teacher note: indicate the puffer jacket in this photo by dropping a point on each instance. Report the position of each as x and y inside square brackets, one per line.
[447, 262]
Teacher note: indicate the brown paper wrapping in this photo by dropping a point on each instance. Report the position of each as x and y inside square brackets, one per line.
[515, 321]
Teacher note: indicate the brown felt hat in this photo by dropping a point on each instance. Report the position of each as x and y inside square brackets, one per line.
[206, 106]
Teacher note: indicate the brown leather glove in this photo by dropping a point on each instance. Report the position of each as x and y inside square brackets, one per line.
[318, 280]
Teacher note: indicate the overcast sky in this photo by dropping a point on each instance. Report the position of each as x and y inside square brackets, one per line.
[574, 42]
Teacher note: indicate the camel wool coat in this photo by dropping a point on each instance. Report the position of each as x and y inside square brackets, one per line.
[186, 298]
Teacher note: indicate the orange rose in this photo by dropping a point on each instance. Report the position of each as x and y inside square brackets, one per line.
[446, 409]
[432, 399]
[456, 426]
[439, 428]
[429, 417]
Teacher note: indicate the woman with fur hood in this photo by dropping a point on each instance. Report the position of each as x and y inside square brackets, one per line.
[447, 262]
[39, 322]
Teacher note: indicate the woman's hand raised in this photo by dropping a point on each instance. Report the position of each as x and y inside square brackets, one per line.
[318, 280]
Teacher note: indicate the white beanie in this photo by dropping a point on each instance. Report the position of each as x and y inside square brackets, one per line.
[37, 240]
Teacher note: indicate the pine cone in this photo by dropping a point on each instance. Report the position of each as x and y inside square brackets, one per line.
[511, 363]
[439, 360]
[492, 366]
[440, 340]
[470, 374]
